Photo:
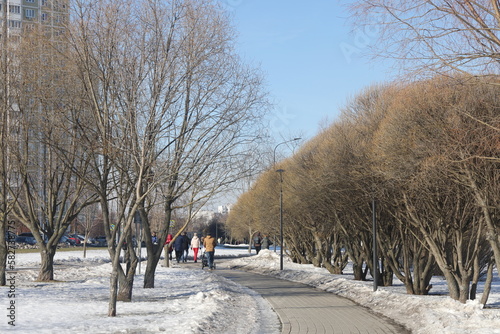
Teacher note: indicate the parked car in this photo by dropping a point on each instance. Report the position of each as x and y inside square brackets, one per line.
[26, 238]
[101, 241]
[67, 240]
[74, 238]
[91, 241]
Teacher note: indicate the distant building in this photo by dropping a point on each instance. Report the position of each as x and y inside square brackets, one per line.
[204, 215]
[224, 209]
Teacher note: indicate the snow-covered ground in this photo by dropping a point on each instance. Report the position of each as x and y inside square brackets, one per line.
[199, 301]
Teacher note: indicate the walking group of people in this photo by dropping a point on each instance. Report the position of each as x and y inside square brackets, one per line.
[182, 244]
[181, 247]
[261, 242]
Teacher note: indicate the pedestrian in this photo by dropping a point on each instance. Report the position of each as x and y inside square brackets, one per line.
[154, 239]
[265, 243]
[169, 249]
[179, 247]
[257, 242]
[195, 246]
[209, 243]
[185, 246]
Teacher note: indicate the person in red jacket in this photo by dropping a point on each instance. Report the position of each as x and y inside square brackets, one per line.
[170, 249]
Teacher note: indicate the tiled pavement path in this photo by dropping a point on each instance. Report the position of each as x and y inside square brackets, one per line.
[304, 309]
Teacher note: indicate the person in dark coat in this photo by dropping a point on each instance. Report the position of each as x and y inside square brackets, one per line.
[257, 242]
[185, 246]
[178, 248]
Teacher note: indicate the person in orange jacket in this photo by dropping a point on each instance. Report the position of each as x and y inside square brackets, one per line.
[209, 243]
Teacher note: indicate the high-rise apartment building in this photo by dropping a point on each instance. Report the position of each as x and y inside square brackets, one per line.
[16, 93]
[24, 14]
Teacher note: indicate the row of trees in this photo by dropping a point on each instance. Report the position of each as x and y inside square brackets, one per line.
[136, 105]
[428, 154]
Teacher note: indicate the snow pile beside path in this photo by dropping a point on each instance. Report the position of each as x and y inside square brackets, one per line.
[183, 300]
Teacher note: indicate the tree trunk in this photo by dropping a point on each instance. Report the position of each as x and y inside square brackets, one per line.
[46, 272]
[125, 285]
[452, 284]
[167, 255]
[154, 251]
[492, 234]
[149, 275]
[357, 264]
[473, 290]
[121, 283]
[250, 234]
[126, 280]
[487, 284]
[387, 275]
[152, 263]
[464, 285]
[423, 268]
[298, 256]
[338, 262]
[3, 261]
[358, 271]
[317, 258]
[475, 279]
[113, 291]
[417, 268]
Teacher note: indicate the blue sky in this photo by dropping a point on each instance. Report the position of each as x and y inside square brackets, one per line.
[312, 60]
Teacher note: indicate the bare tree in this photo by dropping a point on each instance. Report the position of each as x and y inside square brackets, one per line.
[171, 105]
[212, 116]
[435, 36]
[110, 72]
[88, 221]
[43, 156]
[422, 152]
[5, 137]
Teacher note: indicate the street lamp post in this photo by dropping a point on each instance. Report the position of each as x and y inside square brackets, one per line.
[288, 141]
[281, 217]
[281, 198]
[375, 256]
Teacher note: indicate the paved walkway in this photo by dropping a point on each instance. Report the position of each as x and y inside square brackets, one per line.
[304, 309]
